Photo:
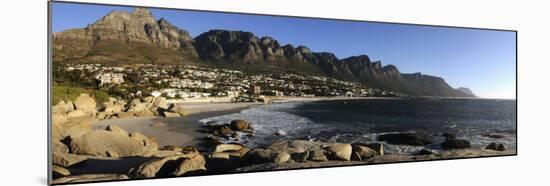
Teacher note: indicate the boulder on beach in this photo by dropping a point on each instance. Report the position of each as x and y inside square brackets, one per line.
[89, 178]
[147, 143]
[86, 104]
[317, 155]
[227, 147]
[413, 139]
[281, 158]
[363, 152]
[117, 129]
[339, 151]
[76, 114]
[58, 172]
[99, 142]
[169, 166]
[301, 156]
[377, 147]
[168, 114]
[258, 156]
[59, 148]
[66, 160]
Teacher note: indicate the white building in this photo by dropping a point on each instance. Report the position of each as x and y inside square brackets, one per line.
[110, 78]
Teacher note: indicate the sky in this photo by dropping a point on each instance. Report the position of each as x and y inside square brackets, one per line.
[482, 60]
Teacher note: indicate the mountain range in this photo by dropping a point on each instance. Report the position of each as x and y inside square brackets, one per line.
[122, 37]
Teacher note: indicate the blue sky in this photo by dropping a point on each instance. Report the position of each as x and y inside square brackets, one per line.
[482, 60]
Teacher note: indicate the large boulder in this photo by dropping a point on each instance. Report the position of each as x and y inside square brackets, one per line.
[239, 125]
[66, 160]
[455, 144]
[377, 147]
[149, 145]
[258, 156]
[364, 152]
[107, 143]
[170, 166]
[85, 103]
[339, 151]
[413, 139]
[168, 114]
[317, 155]
[117, 129]
[63, 107]
[58, 172]
[59, 148]
[76, 114]
[281, 158]
[89, 178]
[227, 147]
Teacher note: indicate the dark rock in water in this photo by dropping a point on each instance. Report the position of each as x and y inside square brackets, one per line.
[497, 136]
[378, 147]
[448, 136]
[496, 147]
[424, 152]
[301, 157]
[455, 144]
[413, 139]
[239, 125]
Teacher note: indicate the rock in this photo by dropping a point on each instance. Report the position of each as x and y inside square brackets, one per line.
[58, 172]
[85, 103]
[300, 156]
[137, 107]
[194, 163]
[145, 113]
[413, 139]
[364, 152]
[170, 114]
[66, 160]
[339, 151]
[59, 148]
[90, 178]
[239, 125]
[496, 147]
[76, 114]
[377, 147]
[102, 115]
[148, 99]
[117, 129]
[160, 102]
[228, 147]
[62, 107]
[257, 156]
[448, 136]
[317, 155]
[424, 152]
[165, 153]
[281, 158]
[172, 165]
[98, 142]
[158, 124]
[224, 130]
[147, 143]
[124, 114]
[182, 111]
[455, 144]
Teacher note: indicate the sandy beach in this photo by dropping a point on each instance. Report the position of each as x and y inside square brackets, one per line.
[177, 131]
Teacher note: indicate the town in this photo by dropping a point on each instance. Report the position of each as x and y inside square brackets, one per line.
[201, 84]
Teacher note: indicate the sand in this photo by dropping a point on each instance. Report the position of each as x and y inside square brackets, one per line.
[178, 131]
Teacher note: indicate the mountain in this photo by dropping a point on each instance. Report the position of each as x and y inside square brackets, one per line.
[467, 91]
[137, 37]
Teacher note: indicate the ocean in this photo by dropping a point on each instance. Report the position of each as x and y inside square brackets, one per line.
[361, 120]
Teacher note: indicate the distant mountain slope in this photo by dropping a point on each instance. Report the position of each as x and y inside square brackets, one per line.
[137, 37]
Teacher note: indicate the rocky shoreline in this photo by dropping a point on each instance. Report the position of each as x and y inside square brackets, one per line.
[81, 153]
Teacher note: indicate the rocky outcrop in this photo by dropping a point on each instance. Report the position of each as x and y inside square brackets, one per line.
[176, 165]
[451, 142]
[86, 104]
[339, 151]
[496, 147]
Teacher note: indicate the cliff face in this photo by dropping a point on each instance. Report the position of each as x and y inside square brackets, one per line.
[137, 37]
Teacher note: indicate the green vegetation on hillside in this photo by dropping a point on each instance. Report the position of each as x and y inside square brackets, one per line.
[71, 93]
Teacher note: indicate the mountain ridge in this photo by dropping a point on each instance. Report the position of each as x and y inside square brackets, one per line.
[137, 37]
